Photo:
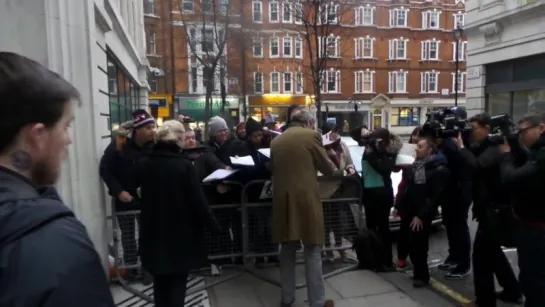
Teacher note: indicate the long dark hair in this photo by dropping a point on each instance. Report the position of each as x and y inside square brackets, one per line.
[416, 132]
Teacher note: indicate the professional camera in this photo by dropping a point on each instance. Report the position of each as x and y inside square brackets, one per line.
[363, 140]
[446, 123]
[502, 127]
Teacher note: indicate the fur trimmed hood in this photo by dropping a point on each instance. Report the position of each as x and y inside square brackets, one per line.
[395, 144]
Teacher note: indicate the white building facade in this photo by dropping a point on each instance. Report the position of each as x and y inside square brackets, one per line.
[99, 46]
[506, 56]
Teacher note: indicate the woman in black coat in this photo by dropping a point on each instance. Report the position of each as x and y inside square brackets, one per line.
[174, 215]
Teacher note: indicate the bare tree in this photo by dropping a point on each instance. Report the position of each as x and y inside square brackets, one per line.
[206, 27]
[321, 28]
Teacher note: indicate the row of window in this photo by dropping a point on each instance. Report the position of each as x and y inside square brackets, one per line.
[364, 48]
[363, 15]
[364, 82]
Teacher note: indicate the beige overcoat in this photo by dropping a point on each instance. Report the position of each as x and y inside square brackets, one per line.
[296, 157]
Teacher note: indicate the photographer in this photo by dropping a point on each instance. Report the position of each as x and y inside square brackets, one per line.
[377, 164]
[492, 210]
[525, 181]
[455, 212]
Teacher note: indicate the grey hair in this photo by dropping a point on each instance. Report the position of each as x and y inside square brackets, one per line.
[303, 116]
[534, 119]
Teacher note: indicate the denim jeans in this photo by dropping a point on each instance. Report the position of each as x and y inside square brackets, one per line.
[313, 273]
[531, 256]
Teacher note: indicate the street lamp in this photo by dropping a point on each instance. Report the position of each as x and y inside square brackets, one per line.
[457, 33]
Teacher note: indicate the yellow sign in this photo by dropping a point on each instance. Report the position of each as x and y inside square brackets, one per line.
[163, 102]
[276, 99]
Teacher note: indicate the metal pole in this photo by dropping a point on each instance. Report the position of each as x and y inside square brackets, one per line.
[172, 108]
[456, 72]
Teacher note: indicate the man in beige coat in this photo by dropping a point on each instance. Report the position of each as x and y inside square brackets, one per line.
[296, 158]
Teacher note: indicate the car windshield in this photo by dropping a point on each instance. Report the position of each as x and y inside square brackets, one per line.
[356, 152]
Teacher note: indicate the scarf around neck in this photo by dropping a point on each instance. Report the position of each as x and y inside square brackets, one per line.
[419, 167]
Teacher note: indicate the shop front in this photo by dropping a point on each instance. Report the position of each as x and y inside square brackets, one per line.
[346, 114]
[194, 106]
[273, 106]
[516, 87]
[123, 93]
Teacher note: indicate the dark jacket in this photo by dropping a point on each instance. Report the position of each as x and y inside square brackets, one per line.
[117, 169]
[526, 183]
[50, 262]
[204, 161]
[257, 172]
[229, 149]
[174, 213]
[422, 199]
[488, 191]
[383, 163]
[460, 186]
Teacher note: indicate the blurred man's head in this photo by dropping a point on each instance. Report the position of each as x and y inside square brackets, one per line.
[480, 127]
[255, 132]
[241, 130]
[382, 138]
[304, 118]
[190, 141]
[531, 127]
[37, 110]
[218, 129]
[425, 148]
[144, 127]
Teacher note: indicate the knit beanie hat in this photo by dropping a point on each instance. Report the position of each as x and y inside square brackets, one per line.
[252, 126]
[141, 118]
[217, 124]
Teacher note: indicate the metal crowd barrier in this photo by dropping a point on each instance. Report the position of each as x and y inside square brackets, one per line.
[246, 224]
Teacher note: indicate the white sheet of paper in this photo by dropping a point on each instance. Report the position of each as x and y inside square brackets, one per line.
[265, 151]
[246, 160]
[219, 175]
[408, 150]
[404, 160]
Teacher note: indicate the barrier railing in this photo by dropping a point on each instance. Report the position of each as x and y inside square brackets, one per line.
[246, 222]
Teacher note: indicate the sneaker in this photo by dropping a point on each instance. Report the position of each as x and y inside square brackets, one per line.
[215, 269]
[457, 274]
[510, 298]
[402, 265]
[447, 266]
[147, 279]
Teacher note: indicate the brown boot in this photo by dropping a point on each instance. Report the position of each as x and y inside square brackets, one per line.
[329, 303]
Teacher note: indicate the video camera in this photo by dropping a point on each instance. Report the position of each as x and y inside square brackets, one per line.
[364, 140]
[502, 127]
[446, 123]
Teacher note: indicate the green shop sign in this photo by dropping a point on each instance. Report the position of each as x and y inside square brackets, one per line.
[200, 104]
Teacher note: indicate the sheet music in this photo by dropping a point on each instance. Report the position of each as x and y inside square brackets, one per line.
[219, 175]
[246, 160]
[265, 151]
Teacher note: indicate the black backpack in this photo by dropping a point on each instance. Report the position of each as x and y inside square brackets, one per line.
[369, 250]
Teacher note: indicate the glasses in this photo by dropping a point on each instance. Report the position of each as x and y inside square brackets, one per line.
[524, 130]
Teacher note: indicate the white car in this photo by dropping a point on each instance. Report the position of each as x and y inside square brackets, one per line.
[356, 153]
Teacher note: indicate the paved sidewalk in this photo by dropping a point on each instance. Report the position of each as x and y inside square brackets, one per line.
[350, 289]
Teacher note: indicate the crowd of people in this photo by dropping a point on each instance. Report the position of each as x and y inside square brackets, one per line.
[47, 258]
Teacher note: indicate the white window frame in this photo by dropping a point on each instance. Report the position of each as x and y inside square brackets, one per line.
[278, 80]
[298, 48]
[457, 16]
[277, 5]
[152, 43]
[261, 76]
[394, 48]
[364, 15]
[325, 81]
[395, 15]
[298, 13]
[188, 3]
[337, 43]
[287, 18]
[429, 50]
[462, 56]
[287, 79]
[429, 82]
[299, 83]
[462, 82]
[254, 12]
[394, 84]
[360, 78]
[273, 39]
[260, 41]
[431, 20]
[288, 40]
[324, 14]
[360, 45]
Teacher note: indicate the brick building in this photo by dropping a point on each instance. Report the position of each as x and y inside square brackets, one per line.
[394, 59]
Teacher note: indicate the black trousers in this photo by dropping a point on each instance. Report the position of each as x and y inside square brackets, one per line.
[489, 260]
[418, 251]
[127, 224]
[531, 252]
[455, 214]
[377, 204]
[169, 290]
[403, 239]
